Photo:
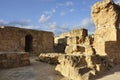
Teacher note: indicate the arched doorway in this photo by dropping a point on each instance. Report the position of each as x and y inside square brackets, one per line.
[28, 43]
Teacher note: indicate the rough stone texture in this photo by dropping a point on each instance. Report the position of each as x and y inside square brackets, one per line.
[75, 64]
[51, 58]
[61, 42]
[13, 39]
[14, 59]
[106, 16]
[99, 52]
[75, 42]
[82, 67]
[88, 56]
[57, 39]
[71, 42]
[68, 66]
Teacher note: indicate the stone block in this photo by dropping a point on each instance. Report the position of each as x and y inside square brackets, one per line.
[106, 37]
[12, 60]
[79, 33]
[51, 58]
[72, 40]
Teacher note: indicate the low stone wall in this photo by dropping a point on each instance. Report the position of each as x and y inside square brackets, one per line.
[13, 59]
[51, 58]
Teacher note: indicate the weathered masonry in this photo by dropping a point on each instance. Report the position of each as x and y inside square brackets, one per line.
[14, 39]
[107, 34]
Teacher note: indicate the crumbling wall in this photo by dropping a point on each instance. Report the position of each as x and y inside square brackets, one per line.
[82, 67]
[76, 37]
[106, 16]
[73, 42]
[14, 40]
[87, 56]
[79, 42]
[100, 52]
[60, 42]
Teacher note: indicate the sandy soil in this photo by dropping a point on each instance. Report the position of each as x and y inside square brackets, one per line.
[42, 71]
[36, 71]
[113, 74]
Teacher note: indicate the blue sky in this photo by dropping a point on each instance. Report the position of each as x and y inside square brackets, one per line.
[50, 15]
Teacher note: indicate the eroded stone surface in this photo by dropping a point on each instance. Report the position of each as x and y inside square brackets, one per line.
[51, 58]
[83, 67]
[104, 46]
[76, 40]
[106, 16]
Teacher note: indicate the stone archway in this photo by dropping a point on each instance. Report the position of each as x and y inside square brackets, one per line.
[28, 43]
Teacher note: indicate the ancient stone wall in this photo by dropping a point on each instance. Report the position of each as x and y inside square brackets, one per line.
[13, 59]
[25, 40]
[61, 42]
[82, 67]
[75, 41]
[88, 56]
[106, 16]
[78, 42]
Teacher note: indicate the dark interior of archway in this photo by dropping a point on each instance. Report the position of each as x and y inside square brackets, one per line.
[28, 43]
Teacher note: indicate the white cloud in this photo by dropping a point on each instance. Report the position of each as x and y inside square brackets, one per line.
[50, 12]
[31, 27]
[60, 4]
[53, 10]
[43, 18]
[15, 23]
[72, 10]
[2, 22]
[88, 24]
[117, 1]
[53, 26]
[19, 23]
[69, 3]
[62, 14]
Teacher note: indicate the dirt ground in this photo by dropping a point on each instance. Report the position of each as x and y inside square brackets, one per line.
[42, 71]
[36, 71]
[113, 74]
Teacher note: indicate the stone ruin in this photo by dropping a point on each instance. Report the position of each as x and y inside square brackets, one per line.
[13, 39]
[80, 61]
[106, 16]
[87, 56]
[17, 44]
[79, 56]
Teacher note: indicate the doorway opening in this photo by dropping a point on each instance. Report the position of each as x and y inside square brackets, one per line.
[28, 43]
